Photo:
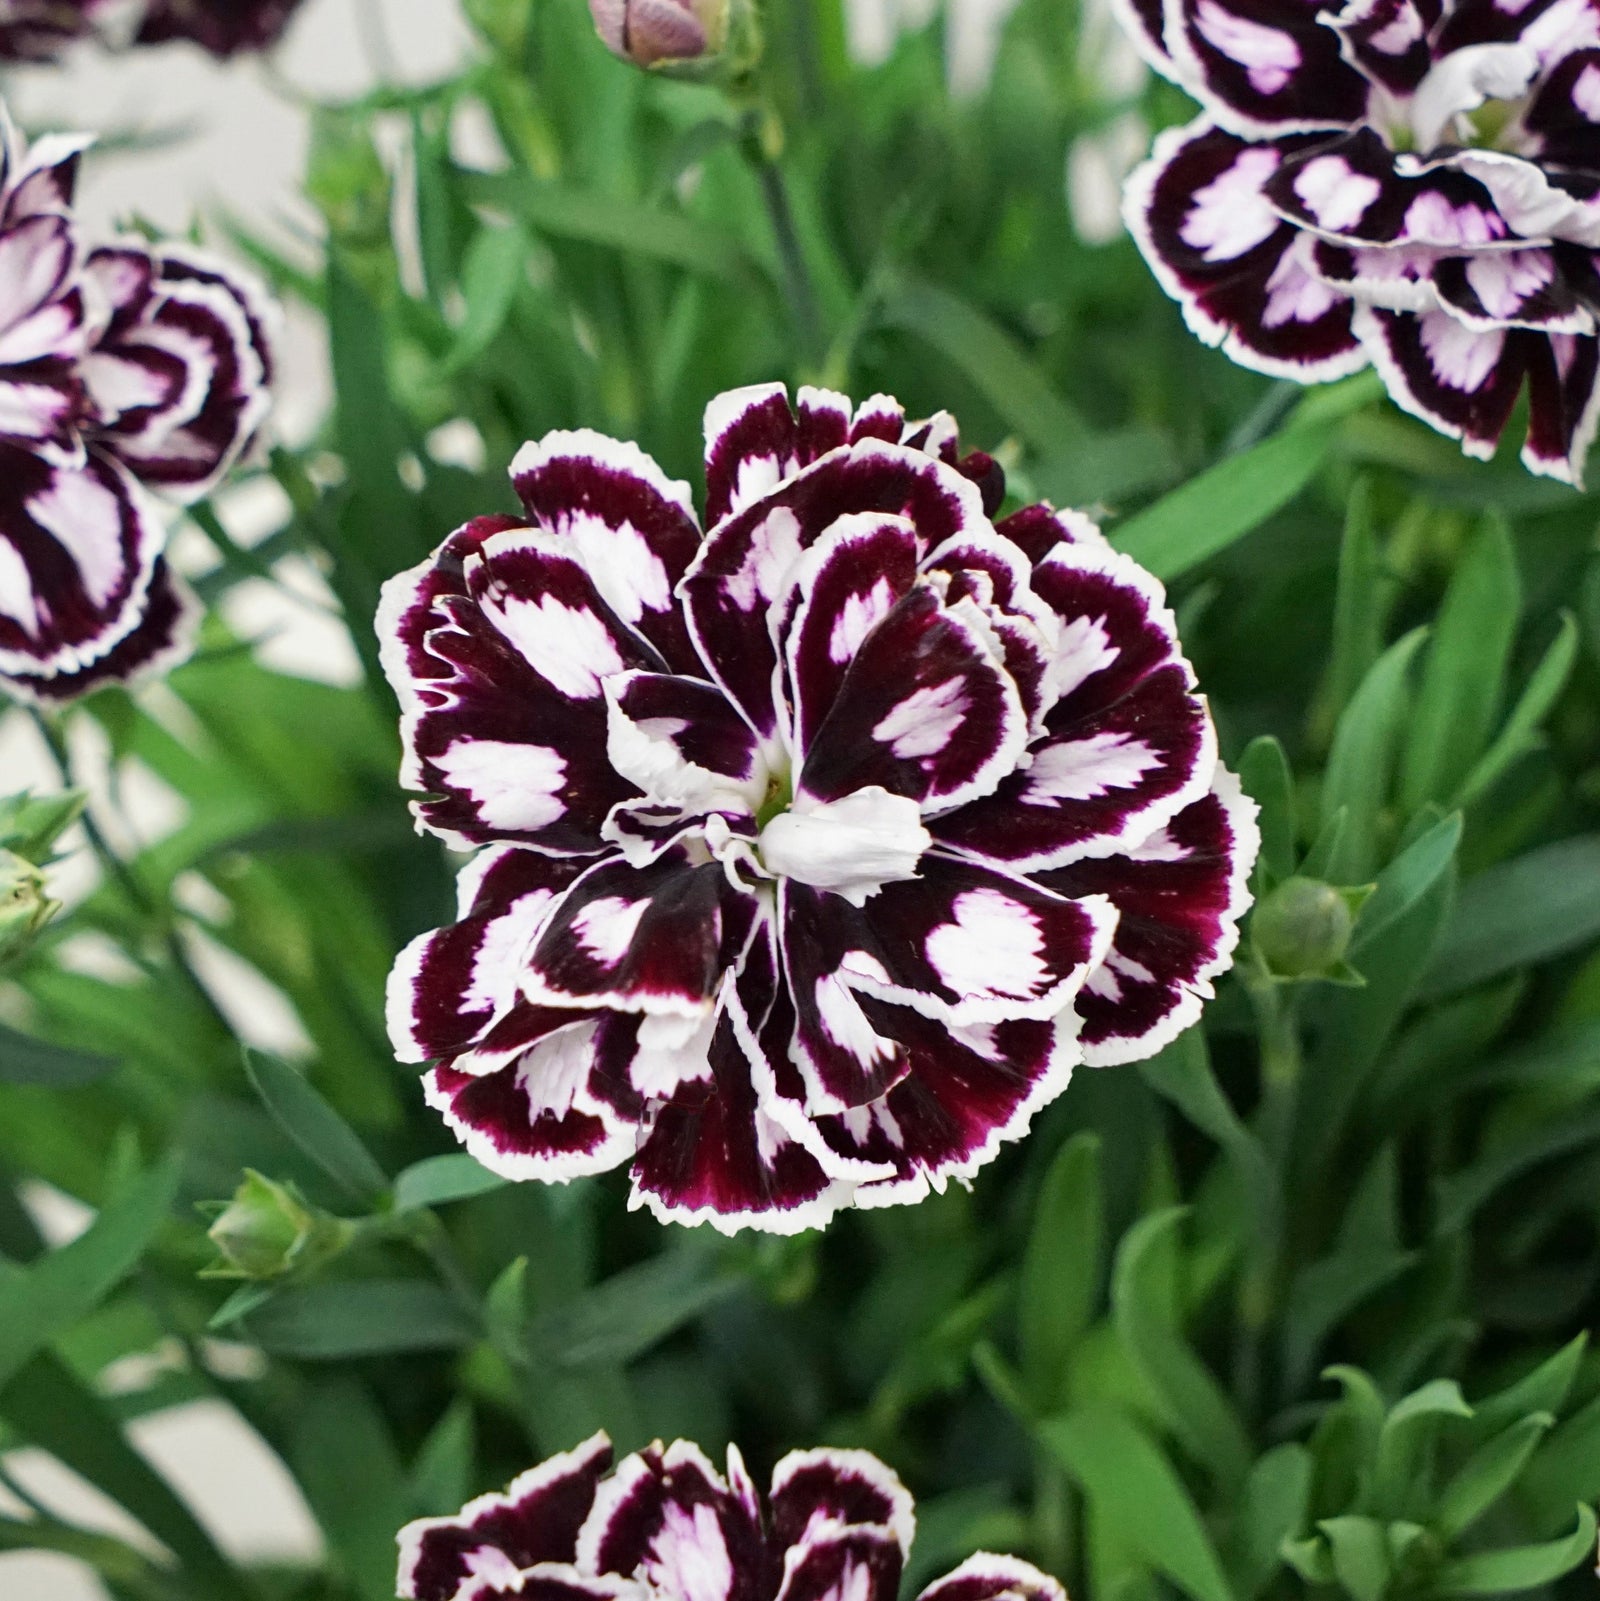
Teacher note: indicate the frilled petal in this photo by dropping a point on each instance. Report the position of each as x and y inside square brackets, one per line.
[987, 1577]
[744, 566]
[1563, 118]
[1563, 406]
[650, 939]
[1264, 67]
[180, 380]
[833, 1486]
[1200, 212]
[450, 986]
[967, 1091]
[669, 1518]
[536, 1520]
[842, 1564]
[1549, 29]
[1459, 380]
[1511, 289]
[1179, 897]
[623, 520]
[78, 548]
[1387, 40]
[551, 1112]
[163, 637]
[1127, 743]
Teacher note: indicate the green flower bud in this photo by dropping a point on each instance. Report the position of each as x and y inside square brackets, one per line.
[1302, 928]
[268, 1230]
[24, 906]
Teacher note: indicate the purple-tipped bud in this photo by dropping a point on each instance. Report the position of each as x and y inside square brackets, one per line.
[647, 32]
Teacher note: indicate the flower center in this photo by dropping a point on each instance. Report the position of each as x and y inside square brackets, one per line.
[1474, 97]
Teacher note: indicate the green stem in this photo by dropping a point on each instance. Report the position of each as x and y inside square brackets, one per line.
[797, 283]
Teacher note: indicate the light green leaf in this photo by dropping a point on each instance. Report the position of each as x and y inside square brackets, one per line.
[1487, 1474]
[1360, 1554]
[1520, 1568]
[1133, 1487]
[1406, 880]
[316, 1128]
[1544, 1389]
[438, 1180]
[495, 267]
[1265, 776]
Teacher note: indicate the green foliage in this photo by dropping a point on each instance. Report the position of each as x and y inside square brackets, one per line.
[1297, 1308]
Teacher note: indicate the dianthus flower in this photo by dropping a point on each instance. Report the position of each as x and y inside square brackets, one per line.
[817, 848]
[1414, 183]
[123, 369]
[666, 1526]
[222, 27]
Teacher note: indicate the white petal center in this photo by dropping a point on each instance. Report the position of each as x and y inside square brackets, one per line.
[852, 846]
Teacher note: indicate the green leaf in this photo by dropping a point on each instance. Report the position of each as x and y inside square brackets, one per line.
[40, 1303]
[1461, 1194]
[1361, 603]
[360, 1317]
[631, 1311]
[1360, 1553]
[494, 269]
[1199, 1409]
[442, 1473]
[316, 1128]
[1272, 1507]
[1060, 1277]
[1544, 1389]
[1223, 504]
[1361, 761]
[438, 1180]
[1520, 734]
[1266, 779]
[1464, 675]
[1520, 912]
[1134, 1489]
[1520, 1568]
[1415, 871]
[1567, 1464]
[1412, 1422]
[1487, 1474]
[25, 1060]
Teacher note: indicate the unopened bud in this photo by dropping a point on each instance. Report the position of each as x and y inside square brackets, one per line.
[24, 906]
[701, 36]
[268, 1230]
[1302, 928]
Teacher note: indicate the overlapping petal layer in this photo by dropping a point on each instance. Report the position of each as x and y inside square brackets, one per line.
[668, 1526]
[778, 822]
[1413, 184]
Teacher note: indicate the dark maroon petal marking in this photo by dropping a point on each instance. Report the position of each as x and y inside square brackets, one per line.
[1511, 289]
[744, 564]
[986, 1577]
[1145, 24]
[162, 638]
[1563, 405]
[669, 1518]
[822, 419]
[1180, 896]
[1387, 40]
[78, 547]
[852, 1564]
[1460, 381]
[224, 28]
[696, 724]
[829, 1485]
[535, 1520]
[631, 527]
[967, 1091]
[1564, 114]
[1550, 27]
[752, 445]
[1036, 530]
[1265, 67]
[1200, 211]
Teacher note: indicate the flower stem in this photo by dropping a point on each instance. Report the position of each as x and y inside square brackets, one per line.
[797, 283]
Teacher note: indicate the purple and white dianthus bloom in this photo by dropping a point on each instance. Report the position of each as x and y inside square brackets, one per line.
[1410, 183]
[667, 1526]
[816, 848]
[224, 28]
[39, 30]
[123, 370]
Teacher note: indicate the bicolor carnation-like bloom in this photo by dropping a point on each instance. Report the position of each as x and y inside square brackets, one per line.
[123, 369]
[1414, 183]
[223, 27]
[816, 848]
[666, 1526]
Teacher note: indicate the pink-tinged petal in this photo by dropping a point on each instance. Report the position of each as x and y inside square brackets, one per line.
[450, 986]
[987, 1577]
[669, 1519]
[631, 527]
[163, 638]
[548, 1114]
[1549, 28]
[1199, 210]
[1127, 743]
[842, 1564]
[680, 741]
[1387, 40]
[1563, 118]
[744, 565]
[78, 549]
[752, 445]
[202, 334]
[968, 1091]
[1511, 289]
[829, 1485]
[42, 403]
[37, 255]
[1462, 382]
[925, 710]
[1563, 406]
[1396, 277]
[641, 939]
[1179, 896]
[535, 1520]
[1264, 67]
[719, 1157]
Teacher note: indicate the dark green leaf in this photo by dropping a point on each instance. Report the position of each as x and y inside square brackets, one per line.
[1487, 1474]
[1264, 774]
[1060, 1269]
[25, 1060]
[1521, 1568]
[316, 1128]
[359, 1317]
